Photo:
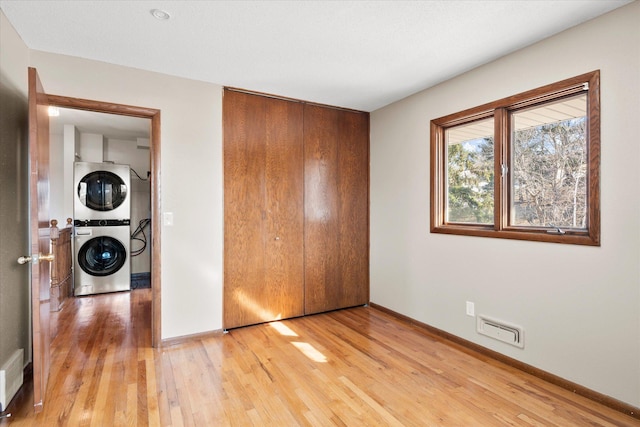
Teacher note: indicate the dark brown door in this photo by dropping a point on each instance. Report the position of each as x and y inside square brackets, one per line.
[40, 235]
[263, 209]
[336, 226]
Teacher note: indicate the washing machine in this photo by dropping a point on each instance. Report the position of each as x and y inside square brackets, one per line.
[102, 261]
[101, 191]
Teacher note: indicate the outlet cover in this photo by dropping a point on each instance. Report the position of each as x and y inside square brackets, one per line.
[471, 309]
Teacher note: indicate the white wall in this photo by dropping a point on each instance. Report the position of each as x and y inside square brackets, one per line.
[62, 149]
[91, 147]
[71, 148]
[57, 187]
[127, 152]
[579, 306]
[191, 182]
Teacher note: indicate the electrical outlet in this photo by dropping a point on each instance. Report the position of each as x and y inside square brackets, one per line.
[471, 309]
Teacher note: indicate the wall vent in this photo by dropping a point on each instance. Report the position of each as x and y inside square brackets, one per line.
[11, 376]
[502, 331]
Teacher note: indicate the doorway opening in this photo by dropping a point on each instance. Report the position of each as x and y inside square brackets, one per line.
[145, 178]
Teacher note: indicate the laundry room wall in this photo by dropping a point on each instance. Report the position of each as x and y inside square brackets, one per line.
[91, 147]
[191, 181]
[130, 152]
[56, 178]
[63, 145]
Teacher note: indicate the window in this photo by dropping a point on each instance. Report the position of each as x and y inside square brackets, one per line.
[525, 167]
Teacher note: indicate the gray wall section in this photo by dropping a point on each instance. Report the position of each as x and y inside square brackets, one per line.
[14, 239]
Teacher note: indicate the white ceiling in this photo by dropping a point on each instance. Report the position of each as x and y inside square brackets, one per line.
[355, 54]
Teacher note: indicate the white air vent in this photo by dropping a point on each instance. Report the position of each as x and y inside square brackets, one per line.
[502, 331]
[11, 375]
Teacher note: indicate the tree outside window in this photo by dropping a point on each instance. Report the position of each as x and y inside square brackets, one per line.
[525, 167]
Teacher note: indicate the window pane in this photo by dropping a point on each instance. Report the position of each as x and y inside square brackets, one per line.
[549, 165]
[470, 170]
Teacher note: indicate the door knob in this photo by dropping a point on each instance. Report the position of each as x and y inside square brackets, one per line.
[47, 257]
[36, 258]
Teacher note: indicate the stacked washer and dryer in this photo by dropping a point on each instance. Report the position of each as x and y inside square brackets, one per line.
[102, 217]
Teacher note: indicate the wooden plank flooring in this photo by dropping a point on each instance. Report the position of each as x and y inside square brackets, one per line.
[355, 367]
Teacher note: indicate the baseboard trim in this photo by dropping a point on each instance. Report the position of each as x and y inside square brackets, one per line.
[482, 353]
[168, 342]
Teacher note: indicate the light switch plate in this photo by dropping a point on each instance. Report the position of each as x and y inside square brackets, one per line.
[168, 219]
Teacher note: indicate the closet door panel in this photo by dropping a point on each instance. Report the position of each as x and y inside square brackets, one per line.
[262, 209]
[322, 249]
[284, 291]
[353, 164]
[244, 190]
[336, 209]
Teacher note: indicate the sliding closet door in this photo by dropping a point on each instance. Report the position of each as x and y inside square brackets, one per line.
[336, 208]
[263, 209]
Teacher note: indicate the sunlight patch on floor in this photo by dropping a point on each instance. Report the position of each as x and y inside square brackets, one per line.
[283, 329]
[310, 351]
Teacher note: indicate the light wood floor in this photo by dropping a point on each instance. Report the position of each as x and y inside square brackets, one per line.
[356, 367]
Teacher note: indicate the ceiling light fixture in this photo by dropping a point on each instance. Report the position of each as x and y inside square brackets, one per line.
[53, 111]
[160, 14]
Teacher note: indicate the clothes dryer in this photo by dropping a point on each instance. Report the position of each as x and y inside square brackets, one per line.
[102, 257]
[102, 191]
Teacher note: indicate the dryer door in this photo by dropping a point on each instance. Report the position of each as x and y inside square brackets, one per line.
[102, 191]
[102, 256]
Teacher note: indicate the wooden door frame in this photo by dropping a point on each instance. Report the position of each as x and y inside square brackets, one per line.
[156, 225]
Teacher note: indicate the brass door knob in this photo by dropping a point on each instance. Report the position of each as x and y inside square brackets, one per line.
[36, 258]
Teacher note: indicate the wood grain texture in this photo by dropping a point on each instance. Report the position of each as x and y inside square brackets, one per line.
[102, 365]
[100, 106]
[354, 207]
[336, 208]
[268, 177]
[263, 185]
[321, 209]
[156, 227]
[39, 233]
[353, 367]
[61, 268]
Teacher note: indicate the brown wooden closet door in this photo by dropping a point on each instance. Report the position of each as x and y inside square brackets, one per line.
[263, 209]
[336, 208]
